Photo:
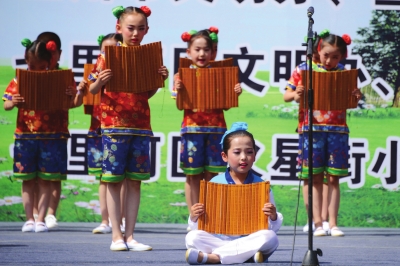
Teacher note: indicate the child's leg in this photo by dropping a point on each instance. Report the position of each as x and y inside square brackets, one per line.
[334, 196]
[123, 198]
[114, 208]
[209, 175]
[205, 243]
[55, 188]
[317, 199]
[28, 188]
[43, 197]
[192, 189]
[305, 193]
[35, 200]
[103, 202]
[325, 202]
[133, 201]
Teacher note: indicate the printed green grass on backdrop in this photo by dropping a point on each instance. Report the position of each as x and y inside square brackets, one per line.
[164, 202]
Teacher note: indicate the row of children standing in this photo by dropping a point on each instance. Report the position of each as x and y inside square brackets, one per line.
[123, 129]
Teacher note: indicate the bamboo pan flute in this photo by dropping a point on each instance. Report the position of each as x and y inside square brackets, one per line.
[186, 62]
[208, 88]
[332, 90]
[233, 209]
[89, 100]
[134, 68]
[45, 90]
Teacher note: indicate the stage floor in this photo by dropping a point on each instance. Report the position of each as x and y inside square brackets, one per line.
[74, 244]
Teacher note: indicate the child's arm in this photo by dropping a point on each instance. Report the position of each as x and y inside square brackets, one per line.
[81, 89]
[269, 209]
[16, 99]
[293, 95]
[195, 211]
[101, 80]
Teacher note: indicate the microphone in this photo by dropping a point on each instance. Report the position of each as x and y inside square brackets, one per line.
[310, 11]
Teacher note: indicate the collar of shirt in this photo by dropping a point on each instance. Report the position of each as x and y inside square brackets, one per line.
[249, 179]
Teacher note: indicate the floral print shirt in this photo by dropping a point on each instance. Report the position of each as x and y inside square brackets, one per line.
[202, 121]
[38, 124]
[323, 120]
[122, 113]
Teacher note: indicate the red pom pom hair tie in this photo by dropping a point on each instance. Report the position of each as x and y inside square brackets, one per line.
[186, 36]
[213, 29]
[51, 46]
[346, 39]
[146, 10]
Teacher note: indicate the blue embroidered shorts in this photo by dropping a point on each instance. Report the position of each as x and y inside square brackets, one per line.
[125, 156]
[95, 156]
[330, 153]
[44, 158]
[200, 152]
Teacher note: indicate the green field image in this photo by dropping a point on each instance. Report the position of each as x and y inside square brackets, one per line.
[164, 202]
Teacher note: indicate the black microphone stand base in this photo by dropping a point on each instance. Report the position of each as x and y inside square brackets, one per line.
[311, 259]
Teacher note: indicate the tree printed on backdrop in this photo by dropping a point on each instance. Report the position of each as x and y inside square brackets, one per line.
[379, 46]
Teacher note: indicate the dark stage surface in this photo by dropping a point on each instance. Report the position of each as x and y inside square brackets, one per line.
[74, 244]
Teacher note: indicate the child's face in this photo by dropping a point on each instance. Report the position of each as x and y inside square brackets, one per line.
[241, 155]
[108, 42]
[199, 52]
[55, 57]
[330, 56]
[133, 27]
[35, 64]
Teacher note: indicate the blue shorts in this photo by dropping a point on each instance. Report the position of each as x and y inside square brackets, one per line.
[201, 152]
[95, 156]
[330, 154]
[44, 158]
[125, 156]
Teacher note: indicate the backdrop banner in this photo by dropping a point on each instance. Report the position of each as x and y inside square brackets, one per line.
[264, 38]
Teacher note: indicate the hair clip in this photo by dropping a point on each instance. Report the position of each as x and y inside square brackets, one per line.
[100, 39]
[146, 10]
[213, 29]
[346, 38]
[187, 35]
[325, 33]
[26, 42]
[235, 127]
[51, 46]
[117, 11]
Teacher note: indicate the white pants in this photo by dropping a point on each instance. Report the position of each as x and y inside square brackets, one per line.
[236, 250]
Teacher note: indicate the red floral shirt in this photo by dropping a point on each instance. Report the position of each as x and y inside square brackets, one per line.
[38, 124]
[121, 112]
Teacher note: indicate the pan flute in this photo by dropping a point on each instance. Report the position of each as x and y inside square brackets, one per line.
[208, 88]
[186, 62]
[134, 68]
[89, 100]
[45, 90]
[233, 209]
[332, 90]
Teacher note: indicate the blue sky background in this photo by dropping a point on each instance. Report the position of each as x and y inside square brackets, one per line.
[261, 26]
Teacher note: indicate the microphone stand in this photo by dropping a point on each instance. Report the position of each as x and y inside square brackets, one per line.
[310, 258]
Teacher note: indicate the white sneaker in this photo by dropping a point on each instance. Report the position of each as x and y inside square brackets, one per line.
[259, 258]
[51, 221]
[325, 226]
[118, 245]
[29, 226]
[102, 229]
[40, 227]
[136, 246]
[305, 228]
